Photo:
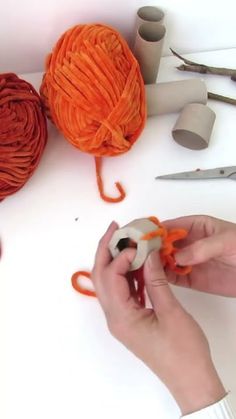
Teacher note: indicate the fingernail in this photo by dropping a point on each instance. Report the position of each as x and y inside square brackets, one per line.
[112, 224]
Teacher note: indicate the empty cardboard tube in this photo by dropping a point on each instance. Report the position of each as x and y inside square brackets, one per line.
[148, 49]
[133, 232]
[194, 126]
[163, 98]
[148, 14]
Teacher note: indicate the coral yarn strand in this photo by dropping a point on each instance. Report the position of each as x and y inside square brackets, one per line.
[98, 163]
[78, 287]
[141, 286]
[168, 250]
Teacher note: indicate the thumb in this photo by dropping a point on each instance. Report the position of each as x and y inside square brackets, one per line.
[202, 250]
[121, 263]
[157, 286]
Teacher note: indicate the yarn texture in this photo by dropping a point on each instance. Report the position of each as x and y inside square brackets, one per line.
[94, 93]
[23, 132]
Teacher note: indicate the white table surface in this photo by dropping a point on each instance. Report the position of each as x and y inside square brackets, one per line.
[58, 359]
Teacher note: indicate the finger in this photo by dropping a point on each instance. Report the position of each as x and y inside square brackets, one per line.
[111, 285]
[181, 222]
[120, 267]
[180, 280]
[103, 255]
[118, 288]
[121, 263]
[201, 251]
[190, 224]
[158, 290]
[198, 226]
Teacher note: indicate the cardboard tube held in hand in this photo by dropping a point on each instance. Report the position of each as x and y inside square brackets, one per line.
[163, 98]
[194, 126]
[133, 232]
[148, 49]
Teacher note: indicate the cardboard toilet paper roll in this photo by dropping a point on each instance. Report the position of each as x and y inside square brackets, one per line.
[148, 49]
[133, 232]
[194, 126]
[163, 98]
[149, 14]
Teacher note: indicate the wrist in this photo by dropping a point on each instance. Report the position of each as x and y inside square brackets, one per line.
[199, 392]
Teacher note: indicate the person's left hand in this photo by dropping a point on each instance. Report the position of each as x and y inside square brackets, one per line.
[166, 337]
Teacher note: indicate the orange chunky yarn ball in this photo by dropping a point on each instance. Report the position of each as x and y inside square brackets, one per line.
[23, 132]
[94, 93]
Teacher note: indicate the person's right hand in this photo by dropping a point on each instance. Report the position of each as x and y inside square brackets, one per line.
[165, 337]
[210, 248]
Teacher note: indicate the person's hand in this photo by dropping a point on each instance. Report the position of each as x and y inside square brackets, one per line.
[166, 338]
[210, 248]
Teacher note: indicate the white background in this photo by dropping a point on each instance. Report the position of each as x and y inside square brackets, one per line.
[57, 358]
[29, 28]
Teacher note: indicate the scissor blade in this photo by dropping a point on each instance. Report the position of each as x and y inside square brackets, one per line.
[219, 172]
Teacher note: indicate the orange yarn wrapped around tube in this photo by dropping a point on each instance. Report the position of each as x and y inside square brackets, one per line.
[94, 93]
[23, 132]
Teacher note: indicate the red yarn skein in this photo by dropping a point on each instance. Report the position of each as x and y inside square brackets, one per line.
[23, 132]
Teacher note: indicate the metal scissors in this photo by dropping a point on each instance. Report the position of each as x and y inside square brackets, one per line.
[228, 172]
